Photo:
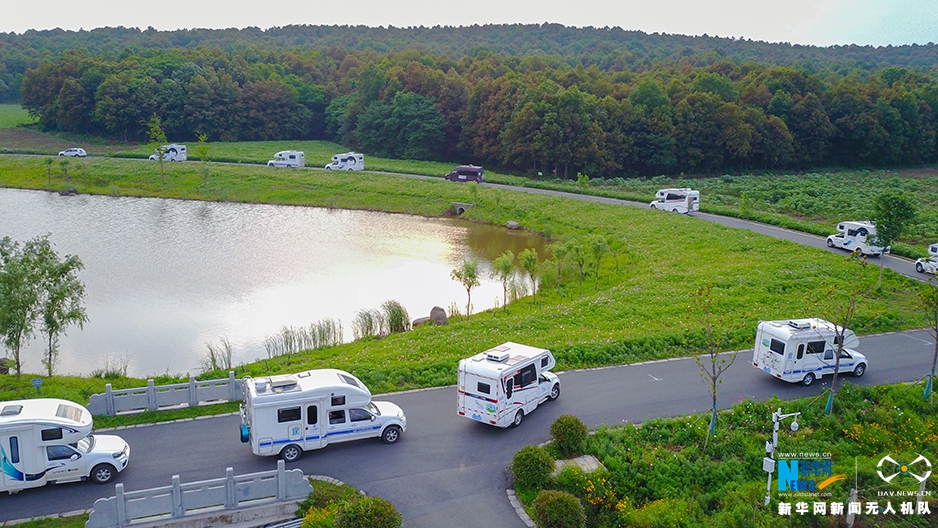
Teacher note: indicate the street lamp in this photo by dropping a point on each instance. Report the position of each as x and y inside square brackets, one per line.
[768, 463]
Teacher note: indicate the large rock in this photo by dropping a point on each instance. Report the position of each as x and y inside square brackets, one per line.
[5, 365]
[419, 321]
[511, 224]
[438, 316]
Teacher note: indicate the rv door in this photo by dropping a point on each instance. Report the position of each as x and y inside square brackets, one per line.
[313, 414]
[11, 456]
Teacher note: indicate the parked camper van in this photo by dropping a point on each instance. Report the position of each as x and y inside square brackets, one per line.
[288, 414]
[174, 152]
[466, 173]
[853, 236]
[49, 440]
[293, 159]
[684, 200]
[503, 384]
[348, 161]
[930, 264]
[802, 350]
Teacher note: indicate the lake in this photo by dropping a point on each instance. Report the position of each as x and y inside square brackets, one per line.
[165, 277]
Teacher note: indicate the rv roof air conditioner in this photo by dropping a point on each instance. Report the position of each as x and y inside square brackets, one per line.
[11, 410]
[497, 356]
[799, 325]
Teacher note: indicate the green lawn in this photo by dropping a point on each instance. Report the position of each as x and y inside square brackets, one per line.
[13, 115]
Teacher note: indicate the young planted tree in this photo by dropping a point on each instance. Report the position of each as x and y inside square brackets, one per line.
[19, 298]
[559, 251]
[531, 266]
[48, 163]
[839, 305]
[892, 212]
[598, 248]
[468, 276]
[202, 149]
[928, 298]
[157, 142]
[64, 164]
[716, 335]
[577, 254]
[61, 293]
[503, 269]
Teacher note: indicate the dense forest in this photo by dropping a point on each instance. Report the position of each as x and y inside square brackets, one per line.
[605, 102]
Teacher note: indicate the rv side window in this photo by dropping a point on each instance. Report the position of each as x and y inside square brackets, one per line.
[509, 385]
[336, 417]
[59, 452]
[528, 375]
[544, 362]
[851, 232]
[816, 347]
[828, 354]
[801, 351]
[312, 415]
[51, 434]
[777, 346]
[338, 401]
[838, 339]
[484, 388]
[15, 449]
[358, 415]
[288, 415]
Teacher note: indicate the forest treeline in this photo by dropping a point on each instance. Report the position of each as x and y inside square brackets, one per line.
[605, 102]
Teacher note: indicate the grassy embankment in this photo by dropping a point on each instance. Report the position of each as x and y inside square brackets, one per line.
[636, 309]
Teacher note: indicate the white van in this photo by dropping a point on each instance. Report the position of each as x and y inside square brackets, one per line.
[930, 264]
[802, 350]
[293, 159]
[349, 161]
[48, 440]
[291, 413]
[499, 386]
[853, 235]
[174, 152]
[683, 200]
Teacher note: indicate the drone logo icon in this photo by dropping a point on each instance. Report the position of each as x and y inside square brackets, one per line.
[902, 469]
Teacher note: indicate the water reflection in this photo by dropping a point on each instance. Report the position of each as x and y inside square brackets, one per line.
[164, 277]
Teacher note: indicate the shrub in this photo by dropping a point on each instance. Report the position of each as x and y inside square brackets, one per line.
[320, 517]
[532, 467]
[368, 512]
[558, 509]
[569, 435]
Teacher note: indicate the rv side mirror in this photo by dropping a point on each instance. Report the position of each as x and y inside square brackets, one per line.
[74, 457]
[372, 417]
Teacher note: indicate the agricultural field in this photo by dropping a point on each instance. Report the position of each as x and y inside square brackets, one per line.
[635, 305]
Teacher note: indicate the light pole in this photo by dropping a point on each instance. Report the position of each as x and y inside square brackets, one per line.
[768, 463]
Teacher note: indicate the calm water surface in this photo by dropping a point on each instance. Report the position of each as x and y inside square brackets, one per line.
[165, 277]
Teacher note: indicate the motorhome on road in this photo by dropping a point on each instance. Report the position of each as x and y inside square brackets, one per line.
[291, 413]
[351, 161]
[853, 236]
[174, 152]
[930, 264]
[683, 200]
[802, 350]
[47, 440]
[503, 384]
[293, 159]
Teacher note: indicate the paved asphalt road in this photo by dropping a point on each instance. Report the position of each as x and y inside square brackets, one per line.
[448, 471]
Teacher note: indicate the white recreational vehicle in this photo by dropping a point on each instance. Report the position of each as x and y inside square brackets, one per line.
[49, 440]
[288, 414]
[683, 200]
[174, 152]
[802, 350]
[288, 158]
[499, 386]
[929, 264]
[349, 161]
[854, 235]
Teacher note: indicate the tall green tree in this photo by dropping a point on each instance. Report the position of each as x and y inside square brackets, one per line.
[467, 275]
[60, 296]
[503, 268]
[892, 212]
[531, 266]
[19, 297]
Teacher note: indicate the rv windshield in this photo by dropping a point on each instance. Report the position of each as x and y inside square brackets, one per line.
[85, 445]
[374, 409]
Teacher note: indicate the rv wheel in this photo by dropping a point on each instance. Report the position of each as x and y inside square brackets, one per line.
[919, 268]
[291, 453]
[391, 434]
[555, 392]
[653, 206]
[518, 418]
[829, 243]
[808, 379]
[102, 473]
[860, 370]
